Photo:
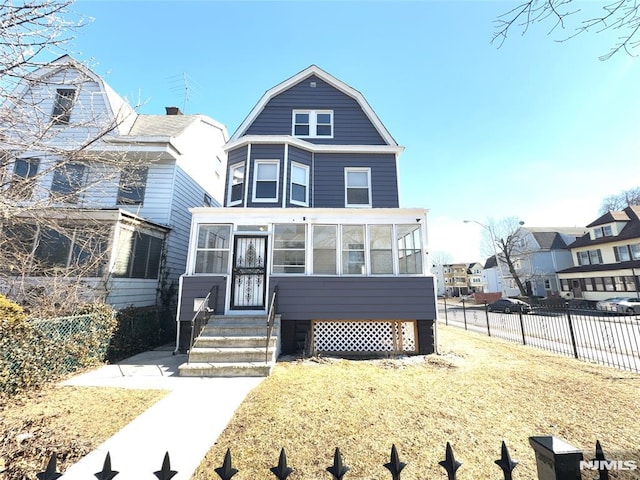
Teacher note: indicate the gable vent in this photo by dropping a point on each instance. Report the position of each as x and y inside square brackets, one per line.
[312, 84]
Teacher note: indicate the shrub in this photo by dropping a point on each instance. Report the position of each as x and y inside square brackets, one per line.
[36, 352]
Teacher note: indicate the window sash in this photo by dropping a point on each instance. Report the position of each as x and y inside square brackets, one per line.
[266, 176]
[236, 184]
[133, 183]
[63, 104]
[68, 180]
[357, 187]
[299, 193]
[212, 248]
[312, 123]
[289, 248]
[325, 249]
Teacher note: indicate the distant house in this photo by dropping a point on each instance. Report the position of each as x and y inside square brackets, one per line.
[541, 253]
[475, 277]
[606, 259]
[311, 208]
[104, 188]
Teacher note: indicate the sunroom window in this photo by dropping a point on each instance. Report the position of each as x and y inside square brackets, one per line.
[409, 249]
[325, 243]
[212, 251]
[381, 249]
[353, 250]
[289, 248]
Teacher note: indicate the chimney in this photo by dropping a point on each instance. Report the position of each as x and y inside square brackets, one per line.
[173, 111]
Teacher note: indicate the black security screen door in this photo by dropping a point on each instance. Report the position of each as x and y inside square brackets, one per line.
[249, 273]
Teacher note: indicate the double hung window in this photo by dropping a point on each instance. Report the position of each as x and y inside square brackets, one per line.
[299, 184]
[313, 123]
[68, 180]
[24, 172]
[236, 184]
[63, 103]
[265, 180]
[289, 248]
[212, 251]
[133, 182]
[357, 187]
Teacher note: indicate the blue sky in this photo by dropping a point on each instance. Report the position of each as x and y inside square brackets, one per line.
[536, 129]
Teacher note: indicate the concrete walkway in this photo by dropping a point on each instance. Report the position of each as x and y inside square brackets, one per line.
[185, 423]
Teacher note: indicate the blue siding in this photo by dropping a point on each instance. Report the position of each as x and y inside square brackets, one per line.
[351, 125]
[329, 179]
[355, 298]
[197, 287]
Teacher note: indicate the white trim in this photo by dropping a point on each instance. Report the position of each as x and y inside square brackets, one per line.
[366, 170]
[311, 147]
[313, 123]
[306, 198]
[256, 164]
[285, 172]
[247, 166]
[331, 80]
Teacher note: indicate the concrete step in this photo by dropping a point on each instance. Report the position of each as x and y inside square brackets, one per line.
[248, 369]
[229, 355]
[206, 341]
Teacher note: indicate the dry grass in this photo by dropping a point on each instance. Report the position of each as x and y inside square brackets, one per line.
[70, 421]
[479, 392]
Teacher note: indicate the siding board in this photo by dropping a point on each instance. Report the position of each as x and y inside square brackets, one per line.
[351, 125]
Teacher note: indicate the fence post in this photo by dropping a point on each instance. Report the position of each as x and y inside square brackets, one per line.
[446, 319]
[573, 337]
[464, 314]
[556, 459]
[486, 313]
[524, 338]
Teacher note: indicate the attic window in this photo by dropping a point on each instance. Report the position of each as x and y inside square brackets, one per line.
[605, 231]
[65, 97]
[313, 123]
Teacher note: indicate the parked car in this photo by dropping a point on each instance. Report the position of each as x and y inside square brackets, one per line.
[629, 305]
[508, 305]
[609, 304]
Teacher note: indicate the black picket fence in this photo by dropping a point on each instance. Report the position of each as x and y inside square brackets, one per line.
[583, 333]
[555, 460]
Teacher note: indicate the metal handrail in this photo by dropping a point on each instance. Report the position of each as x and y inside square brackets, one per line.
[198, 322]
[270, 321]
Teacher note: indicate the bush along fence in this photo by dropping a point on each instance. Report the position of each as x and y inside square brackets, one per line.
[34, 352]
[555, 460]
[586, 334]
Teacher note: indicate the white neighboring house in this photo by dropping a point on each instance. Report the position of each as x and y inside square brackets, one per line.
[97, 163]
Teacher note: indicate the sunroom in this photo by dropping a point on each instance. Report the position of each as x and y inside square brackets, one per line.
[348, 280]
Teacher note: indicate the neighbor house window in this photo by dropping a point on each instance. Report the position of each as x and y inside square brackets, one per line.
[353, 250]
[68, 180]
[357, 187]
[138, 255]
[410, 249]
[265, 181]
[299, 184]
[635, 251]
[325, 242]
[63, 103]
[381, 249]
[133, 182]
[212, 250]
[24, 171]
[236, 184]
[289, 248]
[313, 123]
[589, 257]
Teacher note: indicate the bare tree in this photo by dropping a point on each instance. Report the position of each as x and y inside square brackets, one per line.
[620, 200]
[576, 18]
[440, 257]
[54, 167]
[505, 240]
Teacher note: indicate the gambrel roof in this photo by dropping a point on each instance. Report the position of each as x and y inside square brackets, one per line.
[331, 80]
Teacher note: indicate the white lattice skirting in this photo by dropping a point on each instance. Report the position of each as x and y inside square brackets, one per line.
[363, 336]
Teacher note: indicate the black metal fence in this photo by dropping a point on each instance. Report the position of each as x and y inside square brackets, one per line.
[555, 460]
[581, 332]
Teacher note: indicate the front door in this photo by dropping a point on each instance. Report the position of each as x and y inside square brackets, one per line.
[249, 273]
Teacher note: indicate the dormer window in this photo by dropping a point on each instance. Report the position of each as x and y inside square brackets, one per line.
[604, 231]
[65, 98]
[313, 123]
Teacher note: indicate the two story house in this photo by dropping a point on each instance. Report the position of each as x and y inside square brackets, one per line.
[606, 259]
[94, 196]
[311, 209]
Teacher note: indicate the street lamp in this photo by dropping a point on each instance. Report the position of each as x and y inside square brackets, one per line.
[495, 253]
